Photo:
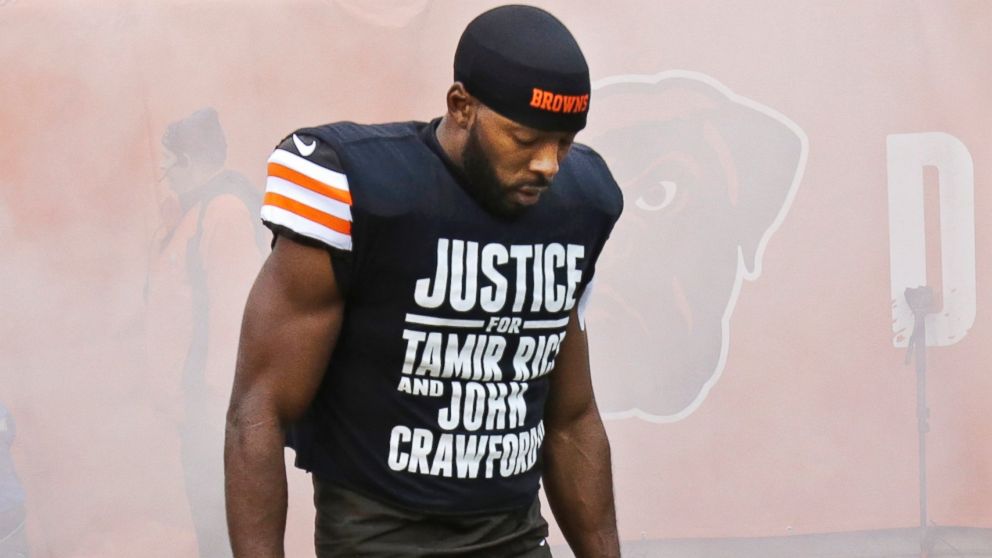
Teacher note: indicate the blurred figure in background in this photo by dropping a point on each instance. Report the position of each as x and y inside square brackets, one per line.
[205, 253]
[13, 543]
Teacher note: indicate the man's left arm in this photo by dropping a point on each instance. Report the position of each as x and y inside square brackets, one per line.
[577, 471]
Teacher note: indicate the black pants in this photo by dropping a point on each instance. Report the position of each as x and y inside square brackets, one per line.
[349, 525]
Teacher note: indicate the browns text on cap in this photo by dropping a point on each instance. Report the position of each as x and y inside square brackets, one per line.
[523, 63]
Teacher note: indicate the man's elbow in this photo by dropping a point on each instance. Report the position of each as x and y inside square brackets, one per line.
[248, 416]
[574, 417]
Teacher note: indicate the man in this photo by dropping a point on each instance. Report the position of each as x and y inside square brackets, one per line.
[204, 248]
[415, 333]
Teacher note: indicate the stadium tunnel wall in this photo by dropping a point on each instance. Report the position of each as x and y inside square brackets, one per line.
[790, 168]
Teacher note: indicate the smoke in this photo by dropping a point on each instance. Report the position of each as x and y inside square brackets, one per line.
[805, 442]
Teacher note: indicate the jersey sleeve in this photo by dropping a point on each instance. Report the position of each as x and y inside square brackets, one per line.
[307, 193]
[605, 195]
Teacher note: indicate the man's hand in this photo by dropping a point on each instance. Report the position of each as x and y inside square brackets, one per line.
[291, 323]
[577, 470]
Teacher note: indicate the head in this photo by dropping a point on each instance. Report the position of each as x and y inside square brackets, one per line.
[521, 93]
[507, 165]
[193, 150]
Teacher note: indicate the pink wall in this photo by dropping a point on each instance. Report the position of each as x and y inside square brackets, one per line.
[756, 397]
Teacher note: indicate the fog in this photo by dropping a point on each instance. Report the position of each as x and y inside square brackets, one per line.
[789, 169]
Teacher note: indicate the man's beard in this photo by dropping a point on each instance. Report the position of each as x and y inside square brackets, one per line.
[484, 185]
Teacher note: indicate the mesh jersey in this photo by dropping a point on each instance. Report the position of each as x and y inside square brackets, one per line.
[434, 395]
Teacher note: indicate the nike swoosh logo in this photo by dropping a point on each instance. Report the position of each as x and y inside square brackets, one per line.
[304, 149]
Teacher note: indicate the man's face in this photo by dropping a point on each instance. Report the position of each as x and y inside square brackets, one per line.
[176, 171]
[508, 165]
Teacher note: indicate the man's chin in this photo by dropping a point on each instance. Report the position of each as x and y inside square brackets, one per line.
[526, 196]
[508, 209]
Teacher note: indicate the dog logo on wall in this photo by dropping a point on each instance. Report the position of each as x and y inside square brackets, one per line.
[708, 176]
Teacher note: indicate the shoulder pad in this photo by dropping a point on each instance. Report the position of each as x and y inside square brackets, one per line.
[596, 180]
[307, 191]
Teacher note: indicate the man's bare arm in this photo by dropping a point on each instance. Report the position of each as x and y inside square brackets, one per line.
[577, 469]
[291, 323]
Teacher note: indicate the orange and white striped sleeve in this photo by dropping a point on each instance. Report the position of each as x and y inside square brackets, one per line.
[307, 193]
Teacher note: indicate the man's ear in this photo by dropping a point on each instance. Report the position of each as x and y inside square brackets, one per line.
[462, 106]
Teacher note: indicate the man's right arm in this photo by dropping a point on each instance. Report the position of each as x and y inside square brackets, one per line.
[292, 320]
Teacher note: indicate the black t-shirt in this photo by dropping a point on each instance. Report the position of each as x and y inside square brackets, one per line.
[434, 395]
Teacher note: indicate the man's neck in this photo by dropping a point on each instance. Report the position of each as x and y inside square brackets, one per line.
[451, 138]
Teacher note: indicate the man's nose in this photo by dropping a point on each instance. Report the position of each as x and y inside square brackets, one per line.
[545, 161]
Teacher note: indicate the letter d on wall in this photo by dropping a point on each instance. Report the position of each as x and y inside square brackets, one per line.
[908, 154]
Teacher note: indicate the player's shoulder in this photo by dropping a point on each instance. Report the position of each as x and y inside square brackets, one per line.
[330, 145]
[312, 173]
[307, 193]
[594, 178]
[305, 145]
[342, 135]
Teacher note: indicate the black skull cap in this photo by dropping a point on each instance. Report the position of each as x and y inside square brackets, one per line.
[524, 64]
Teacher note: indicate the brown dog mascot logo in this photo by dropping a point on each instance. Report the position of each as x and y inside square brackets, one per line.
[707, 176]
